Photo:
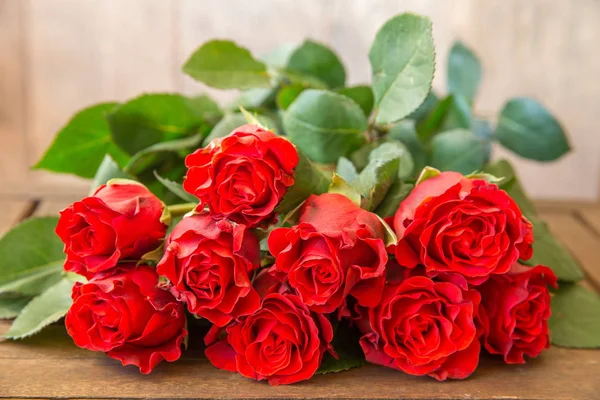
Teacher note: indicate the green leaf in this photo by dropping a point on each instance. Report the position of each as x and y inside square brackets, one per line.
[459, 114]
[31, 255]
[346, 169]
[402, 60]
[232, 121]
[549, 251]
[11, 305]
[395, 195]
[80, 146]
[316, 60]
[575, 320]
[255, 99]
[150, 156]
[459, 150]
[405, 132]
[288, 94]
[394, 149]
[426, 108]
[154, 118]
[427, 173]
[528, 129]
[346, 344]
[43, 310]
[464, 72]
[378, 176]
[362, 95]
[176, 189]
[308, 180]
[279, 56]
[206, 107]
[224, 65]
[325, 125]
[512, 186]
[434, 121]
[340, 186]
[108, 170]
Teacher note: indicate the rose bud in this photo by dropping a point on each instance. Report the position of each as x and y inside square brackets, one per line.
[336, 250]
[517, 308]
[282, 342]
[122, 220]
[243, 176]
[424, 327]
[450, 223]
[127, 317]
[208, 263]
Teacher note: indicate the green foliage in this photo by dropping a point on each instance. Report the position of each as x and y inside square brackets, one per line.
[528, 129]
[43, 310]
[394, 196]
[288, 94]
[325, 125]
[575, 320]
[362, 95]
[405, 132]
[346, 344]
[11, 305]
[234, 120]
[402, 60]
[176, 189]
[108, 170]
[459, 150]
[464, 72]
[346, 169]
[80, 145]
[318, 61]
[224, 65]
[381, 172]
[32, 257]
[340, 186]
[153, 118]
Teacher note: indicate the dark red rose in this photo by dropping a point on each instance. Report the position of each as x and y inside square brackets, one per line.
[282, 342]
[127, 317]
[450, 223]
[424, 327]
[208, 263]
[517, 308]
[242, 176]
[120, 221]
[336, 250]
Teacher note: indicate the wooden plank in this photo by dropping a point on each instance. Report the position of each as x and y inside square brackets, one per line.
[579, 239]
[558, 374]
[592, 217]
[12, 212]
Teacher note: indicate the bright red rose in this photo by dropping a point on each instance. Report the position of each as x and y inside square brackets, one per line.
[282, 342]
[120, 221]
[424, 327]
[207, 263]
[336, 250]
[450, 223]
[127, 317]
[242, 176]
[517, 308]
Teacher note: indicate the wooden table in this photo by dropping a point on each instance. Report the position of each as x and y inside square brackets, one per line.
[49, 365]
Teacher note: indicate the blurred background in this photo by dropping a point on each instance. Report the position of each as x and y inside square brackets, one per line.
[59, 56]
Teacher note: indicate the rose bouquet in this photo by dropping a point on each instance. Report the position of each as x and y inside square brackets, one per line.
[309, 234]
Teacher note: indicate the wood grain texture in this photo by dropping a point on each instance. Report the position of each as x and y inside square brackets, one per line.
[579, 239]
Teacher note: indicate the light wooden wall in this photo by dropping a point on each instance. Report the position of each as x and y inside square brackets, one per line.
[57, 56]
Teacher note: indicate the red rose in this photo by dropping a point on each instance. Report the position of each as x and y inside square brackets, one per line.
[207, 263]
[127, 317]
[242, 176]
[450, 223]
[424, 327]
[121, 220]
[517, 308]
[281, 342]
[336, 250]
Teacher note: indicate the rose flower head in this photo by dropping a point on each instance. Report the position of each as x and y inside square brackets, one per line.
[516, 311]
[122, 220]
[126, 316]
[337, 249]
[282, 342]
[451, 223]
[425, 327]
[208, 264]
[243, 176]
